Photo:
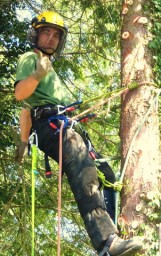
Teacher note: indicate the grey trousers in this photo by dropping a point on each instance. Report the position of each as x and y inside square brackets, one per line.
[82, 177]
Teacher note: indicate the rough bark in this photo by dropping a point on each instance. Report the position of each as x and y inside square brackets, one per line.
[139, 121]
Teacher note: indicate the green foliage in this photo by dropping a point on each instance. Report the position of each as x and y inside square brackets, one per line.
[155, 7]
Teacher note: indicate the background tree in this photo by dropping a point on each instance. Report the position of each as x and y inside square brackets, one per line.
[89, 68]
[140, 199]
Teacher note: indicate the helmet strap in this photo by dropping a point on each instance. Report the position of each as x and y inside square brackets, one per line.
[43, 50]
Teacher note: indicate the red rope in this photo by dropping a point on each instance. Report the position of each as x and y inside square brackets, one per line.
[59, 186]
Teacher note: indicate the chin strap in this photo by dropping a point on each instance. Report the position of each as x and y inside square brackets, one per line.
[54, 54]
[45, 52]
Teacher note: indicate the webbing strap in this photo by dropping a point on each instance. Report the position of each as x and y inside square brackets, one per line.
[104, 252]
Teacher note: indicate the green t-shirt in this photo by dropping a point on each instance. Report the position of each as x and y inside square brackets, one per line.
[50, 88]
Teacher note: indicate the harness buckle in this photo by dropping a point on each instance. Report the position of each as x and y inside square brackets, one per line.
[35, 112]
[61, 109]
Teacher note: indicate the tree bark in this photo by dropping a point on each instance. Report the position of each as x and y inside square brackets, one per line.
[139, 129]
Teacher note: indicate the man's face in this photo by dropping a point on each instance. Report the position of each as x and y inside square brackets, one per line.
[48, 38]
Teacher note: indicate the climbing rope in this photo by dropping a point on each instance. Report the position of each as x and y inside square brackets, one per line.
[101, 103]
[59, 185]
[34, 149]
[33, 172]
[34, 146]
[110, 95]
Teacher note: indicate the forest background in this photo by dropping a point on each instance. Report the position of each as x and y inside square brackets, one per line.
[92, 69]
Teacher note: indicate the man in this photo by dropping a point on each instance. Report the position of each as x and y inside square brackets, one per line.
[39, 87]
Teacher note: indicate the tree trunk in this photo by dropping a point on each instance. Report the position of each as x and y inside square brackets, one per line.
[139, 129]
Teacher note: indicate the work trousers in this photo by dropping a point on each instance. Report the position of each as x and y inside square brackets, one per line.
[82, 177]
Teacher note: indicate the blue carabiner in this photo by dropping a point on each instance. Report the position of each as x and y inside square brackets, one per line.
[59, 117]
[74, 103]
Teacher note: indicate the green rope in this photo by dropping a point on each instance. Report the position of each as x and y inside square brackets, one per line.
[103, 96]
[117, 186]
[34, 164]
[133, 85]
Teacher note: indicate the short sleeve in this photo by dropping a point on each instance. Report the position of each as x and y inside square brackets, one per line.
[26, 66]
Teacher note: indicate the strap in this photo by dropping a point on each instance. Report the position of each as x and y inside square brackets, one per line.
[51, 109]
[56, 119]
[89, 203]
[104, 252]
[47, 167]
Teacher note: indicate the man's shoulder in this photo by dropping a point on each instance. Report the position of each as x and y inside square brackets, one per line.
[28, 55]
[26, 58]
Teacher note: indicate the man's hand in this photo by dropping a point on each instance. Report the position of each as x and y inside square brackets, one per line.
[20, 152]
[43, 66]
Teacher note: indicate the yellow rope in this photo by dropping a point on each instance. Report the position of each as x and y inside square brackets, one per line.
[133, 85]
[117, 186]
[34, 163]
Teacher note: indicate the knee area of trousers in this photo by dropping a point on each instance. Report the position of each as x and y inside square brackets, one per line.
[89, 203]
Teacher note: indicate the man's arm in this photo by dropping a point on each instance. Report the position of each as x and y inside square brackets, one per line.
[25, 127]
[25, 124]
[25, 88]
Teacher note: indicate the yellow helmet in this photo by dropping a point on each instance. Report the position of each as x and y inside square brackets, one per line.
[48, 18]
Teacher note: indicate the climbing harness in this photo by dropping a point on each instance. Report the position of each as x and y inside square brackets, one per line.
[54, 122]
[48, 171]
[51, 110]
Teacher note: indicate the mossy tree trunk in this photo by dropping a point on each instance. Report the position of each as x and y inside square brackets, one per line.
[139, 129]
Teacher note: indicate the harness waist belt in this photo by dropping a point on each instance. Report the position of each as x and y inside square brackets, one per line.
[46, 111]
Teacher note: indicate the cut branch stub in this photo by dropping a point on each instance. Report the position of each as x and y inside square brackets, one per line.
[130, 2]
[134, 224]
[124, 9]
[127, 35]
[140, 20]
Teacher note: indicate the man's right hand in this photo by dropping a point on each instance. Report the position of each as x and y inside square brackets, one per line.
[20, 152]
[43, 66]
